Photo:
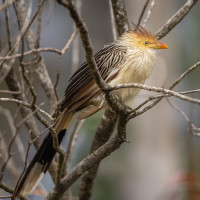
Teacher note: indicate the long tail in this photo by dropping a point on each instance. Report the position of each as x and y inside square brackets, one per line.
[42, 159]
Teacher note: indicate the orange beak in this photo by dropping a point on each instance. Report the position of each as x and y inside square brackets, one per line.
[160, 45]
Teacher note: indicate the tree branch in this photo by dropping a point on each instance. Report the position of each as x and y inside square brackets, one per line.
[40, 69]
[9, 190]
[120, 14]
[156, 89]
[142, 13]
[158, 99]
[149, 12]
[175, 19]
[109, 118]
[192, 127]
[88, 162]
[80, 24]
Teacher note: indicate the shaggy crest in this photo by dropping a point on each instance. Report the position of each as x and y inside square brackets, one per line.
[141, 31]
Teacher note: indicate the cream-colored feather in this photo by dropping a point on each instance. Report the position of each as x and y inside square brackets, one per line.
[136, 69]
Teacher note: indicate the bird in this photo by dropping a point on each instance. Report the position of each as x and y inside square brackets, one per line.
[129, 59]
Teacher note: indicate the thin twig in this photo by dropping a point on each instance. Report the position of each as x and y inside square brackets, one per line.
[9, 155]
[190, 91]
[149, 12]
[11, 166]
[85, 164]
[19, 102]
[10, 92]
[30, 86]
[11, 144]
[175, 19]
[142, 13]
[25, 28]
[30, 115]
[38, 50]
[151, 98]
[18, 141]
[7, 27]
[76, 50]
[192, 127]
[63, 51]
[40, 68]
[57, 111]
[71, 144]
[6, 4]
[193, 67]
[155, 89]
[39, 27]
[14, 85]
[25, 162]
[10, 190]
[114, 31]
[85, 40]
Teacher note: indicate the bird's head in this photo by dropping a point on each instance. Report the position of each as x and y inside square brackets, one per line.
[141, 38]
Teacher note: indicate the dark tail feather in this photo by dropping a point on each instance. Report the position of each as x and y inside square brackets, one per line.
[38, 166]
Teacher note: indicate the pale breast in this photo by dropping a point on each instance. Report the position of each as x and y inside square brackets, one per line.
[136, 69]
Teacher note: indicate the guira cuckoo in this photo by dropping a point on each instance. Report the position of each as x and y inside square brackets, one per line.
[130, 59]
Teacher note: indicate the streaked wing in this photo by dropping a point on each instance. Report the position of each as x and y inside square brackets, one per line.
[82, 85]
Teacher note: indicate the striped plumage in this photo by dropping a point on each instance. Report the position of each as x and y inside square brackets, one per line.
[108, 60]
[130, 59]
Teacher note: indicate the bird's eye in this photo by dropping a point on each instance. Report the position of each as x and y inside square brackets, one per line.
[145, 43]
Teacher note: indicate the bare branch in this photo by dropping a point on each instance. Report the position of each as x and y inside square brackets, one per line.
[7, 27]
[40, 67]
[39, 27]
[6, 4]
[71, 144]
[114, 31]
[175, 19]
[11, 165]
[193, 67]
[120, 14]
[156, 89]
[161, 97]
[85, 40]
[109, 118]
[14, 85]
[10, 190]
[87, 163]
[76, 43]
[142, 13]
[190, 91]
[69, 42]
[101, 146]
[192, 127]
[10, 92]
[31, 89]
[5, 68]
[149, 12]
[25, 28]
[9, 155]
[26, 105]
[38, 50]
[18, 141]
